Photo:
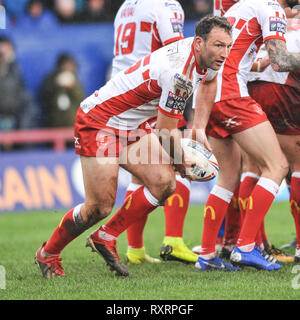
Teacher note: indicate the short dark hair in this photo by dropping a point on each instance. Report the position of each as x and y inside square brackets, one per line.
[206, 24]
[63, 58]
[4, 39]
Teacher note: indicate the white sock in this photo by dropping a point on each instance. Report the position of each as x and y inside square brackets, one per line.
[247, 247]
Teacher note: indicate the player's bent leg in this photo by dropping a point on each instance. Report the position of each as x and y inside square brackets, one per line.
[100, 187]
[159, 183]
[100, 177]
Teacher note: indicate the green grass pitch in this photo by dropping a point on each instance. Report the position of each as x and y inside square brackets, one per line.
[89, 278]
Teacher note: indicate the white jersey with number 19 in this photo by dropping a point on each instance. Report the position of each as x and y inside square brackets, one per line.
[143, 26]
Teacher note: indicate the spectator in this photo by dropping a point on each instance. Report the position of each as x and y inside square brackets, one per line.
[17, 109]
[61, 93]
[65, 11]
[36, 16]
[95, 11]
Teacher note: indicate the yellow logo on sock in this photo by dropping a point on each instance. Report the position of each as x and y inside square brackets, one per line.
[235, 202]
[128, 203]
[175, 195]
[61, 221]
[295, 204]
[212, 212]
[246, 202]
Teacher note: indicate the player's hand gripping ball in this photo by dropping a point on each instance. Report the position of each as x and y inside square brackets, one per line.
[206, 167]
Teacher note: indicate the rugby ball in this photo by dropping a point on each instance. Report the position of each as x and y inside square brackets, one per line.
[207, 168]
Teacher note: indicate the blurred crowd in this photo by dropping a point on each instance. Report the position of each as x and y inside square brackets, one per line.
[48, 12]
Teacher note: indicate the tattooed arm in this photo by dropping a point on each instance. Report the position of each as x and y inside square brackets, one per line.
[281, 59]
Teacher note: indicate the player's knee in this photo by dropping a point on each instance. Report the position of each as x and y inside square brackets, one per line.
[279, 168]
[97, 212]
[284, 167]
[164, 186]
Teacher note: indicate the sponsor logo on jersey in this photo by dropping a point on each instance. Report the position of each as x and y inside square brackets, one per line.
[185, 86]
[275, 5]
[172, 5]
[177, 25]
[175, 102]
[277, 24]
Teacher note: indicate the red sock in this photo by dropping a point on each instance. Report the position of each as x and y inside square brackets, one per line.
[233, 220]
[247, 184]
[263, 234]
[215, 209]
[176, 208]
[295, 203]
[259, 203]
[70, 227]
[135, 231]
[258, 238]
[139, 204]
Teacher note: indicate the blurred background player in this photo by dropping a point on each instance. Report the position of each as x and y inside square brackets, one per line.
[250, 175]
[230, 228]
[282, 106]
[237, 116]
[141, 27]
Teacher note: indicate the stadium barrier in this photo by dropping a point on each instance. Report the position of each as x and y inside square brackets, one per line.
[58, 137]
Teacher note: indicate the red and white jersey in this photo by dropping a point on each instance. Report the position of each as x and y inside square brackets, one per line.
[221, 6]
[291, 79]
[254, 22]
[163, 80]
[143, 26]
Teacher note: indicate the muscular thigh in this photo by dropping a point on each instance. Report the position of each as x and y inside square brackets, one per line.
[261, 143]
[100, 177]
